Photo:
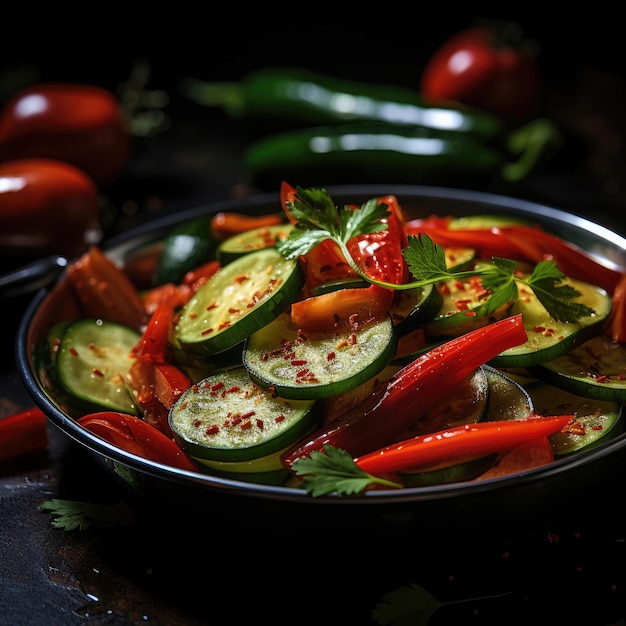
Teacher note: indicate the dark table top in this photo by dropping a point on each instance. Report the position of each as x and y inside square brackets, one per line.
[165, 567]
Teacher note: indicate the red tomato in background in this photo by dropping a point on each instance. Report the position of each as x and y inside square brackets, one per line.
[489, 67]
[47, 207]
[80, 124]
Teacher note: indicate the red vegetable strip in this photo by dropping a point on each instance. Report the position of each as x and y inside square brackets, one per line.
[480, 438]
[137, 437]
[616, 323]
[22, 433]
[414, 390]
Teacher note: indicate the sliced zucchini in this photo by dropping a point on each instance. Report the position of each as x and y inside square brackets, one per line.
[226, 418]
[460, 471]
[251, 240]
[486, 221]
[279, 358]
[239, 299]
[547, 338]
[92, 363]
[458, 258]
[413, 308]
[594, 369]
[596, 420]
[353, 282]
[189, 245]
[508, 400]
[460, 311]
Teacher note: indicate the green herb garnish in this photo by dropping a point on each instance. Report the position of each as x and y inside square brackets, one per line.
[318, 218]
[334, 470]
[75, 515]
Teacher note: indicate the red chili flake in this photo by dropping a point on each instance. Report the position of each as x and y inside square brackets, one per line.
[279, 419]
[445, 290]
[463, 305]
[301, 336]
[539, 329]
[330, 356]
[193, 316]
[248, 414]
[299, 362]
[459, 285]
[353, 340]
[272, 391]
[208, 331]
[302, 373]
[91, 345]
[197, 423]
[97, 372]
[73, 352]
[213, 429]
[241, 279]
[603, 379]
[233, 389]
[223, 325]
[597, 427]
[246, 425]
[264, 357]
[259, 424]
[470, 313]
[236, 420]
[213, 305]
[232, 310]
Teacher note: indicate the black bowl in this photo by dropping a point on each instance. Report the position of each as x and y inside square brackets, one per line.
[533, 494]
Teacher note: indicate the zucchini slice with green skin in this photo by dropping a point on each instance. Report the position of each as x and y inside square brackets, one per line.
[596, 420]
[228, 418]
[239, 299]
[508, 400]
[594, 369]
[251, 240]
[291, 365]
[547, 338]
[412, 308]
[189, 245]
[92, 363]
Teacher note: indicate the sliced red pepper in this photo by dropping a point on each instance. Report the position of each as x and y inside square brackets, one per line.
[104, 290]
[379, 255]
[22, 433]
[534, 453]
[156, 387]
[414, 390]
[520, 243]
[616, 323]
[197, 277]
[133, 435]
[153, 344]
[336, 309]
[470, 439]
[228, 223]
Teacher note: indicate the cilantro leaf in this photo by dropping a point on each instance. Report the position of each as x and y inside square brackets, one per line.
[334, 470]
[72, 515]
[425, 258]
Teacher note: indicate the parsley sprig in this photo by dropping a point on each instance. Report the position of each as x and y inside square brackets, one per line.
[318, 218]
[334, 470]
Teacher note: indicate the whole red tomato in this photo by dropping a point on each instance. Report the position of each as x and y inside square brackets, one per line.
[490, 67]
[77, 123]
[47, 207]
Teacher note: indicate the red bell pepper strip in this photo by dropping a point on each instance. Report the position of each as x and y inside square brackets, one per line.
[134, 435]
[22, 433]
[336, 309]
[519, 243]
[379, 255]
[229, 223]
[413, 391]
[104, 290]
[153, 344]
[615, 327]
[469, 439]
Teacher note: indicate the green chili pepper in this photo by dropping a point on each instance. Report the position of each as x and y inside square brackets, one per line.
[371, 151]
[307, 98]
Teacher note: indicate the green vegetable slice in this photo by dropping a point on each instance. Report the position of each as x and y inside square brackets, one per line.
[189, 245]
[547, 338]
[239, 299]
[251, 240]
[227, 418]
[93, 361]
[596, 420]
[295, 366]
[594, 369]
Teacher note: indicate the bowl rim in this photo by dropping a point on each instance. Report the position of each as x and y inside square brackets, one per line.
[550, 216]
